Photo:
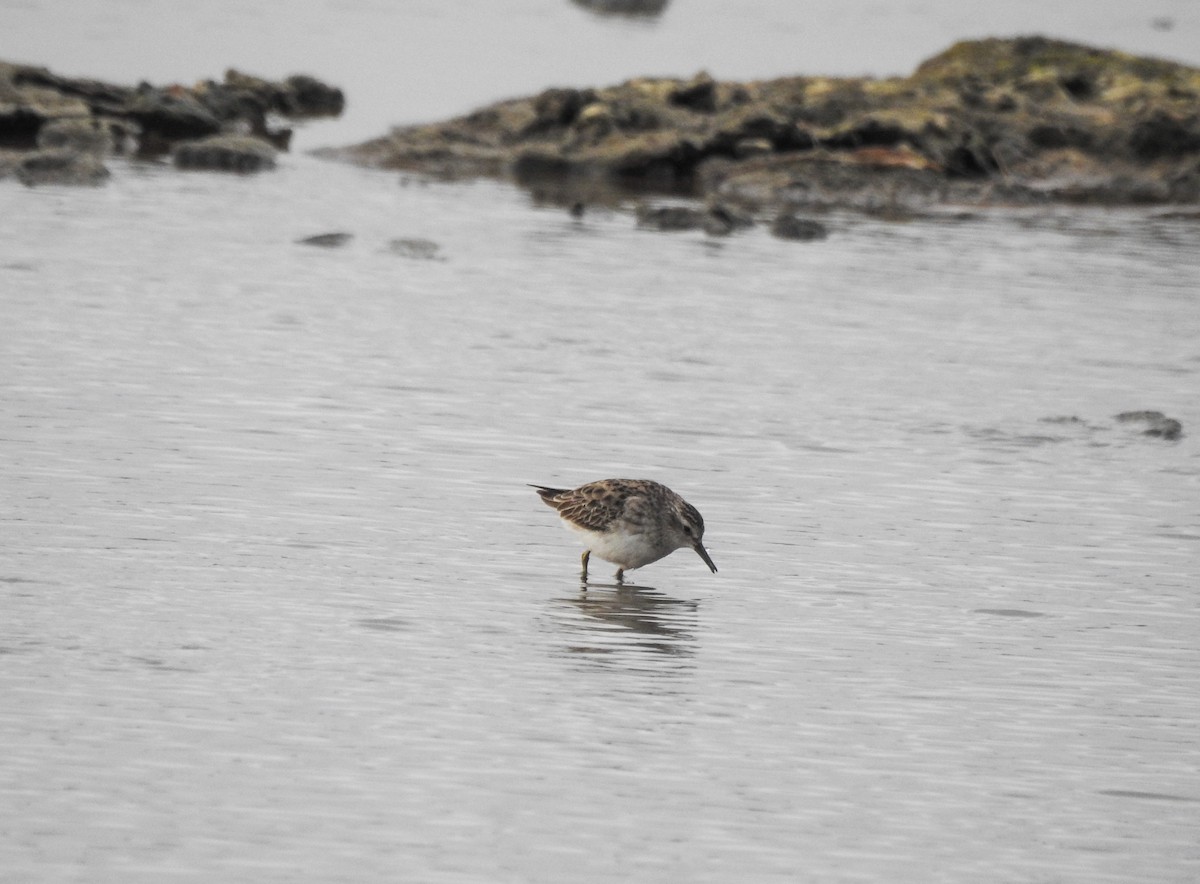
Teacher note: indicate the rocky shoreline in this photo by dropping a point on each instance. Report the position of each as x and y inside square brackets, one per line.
[59, 130]
[999, 122]
[1026, 121]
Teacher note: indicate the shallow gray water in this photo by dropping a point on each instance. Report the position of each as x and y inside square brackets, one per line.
[276, 604]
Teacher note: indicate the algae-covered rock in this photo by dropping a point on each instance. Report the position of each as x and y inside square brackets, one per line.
[1026, 121]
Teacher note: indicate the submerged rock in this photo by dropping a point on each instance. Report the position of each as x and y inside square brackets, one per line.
[789, 226]
[670, 217]
[1156, 423]
[1004, 121]
[419, 249]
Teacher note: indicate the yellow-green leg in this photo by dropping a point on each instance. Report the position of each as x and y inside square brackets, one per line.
[587, 554]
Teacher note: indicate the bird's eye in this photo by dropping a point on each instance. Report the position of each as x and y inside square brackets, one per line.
[687, 529]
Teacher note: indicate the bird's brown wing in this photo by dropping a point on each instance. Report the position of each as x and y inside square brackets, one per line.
[594, 506]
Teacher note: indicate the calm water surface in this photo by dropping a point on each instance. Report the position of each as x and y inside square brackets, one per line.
[277, 604]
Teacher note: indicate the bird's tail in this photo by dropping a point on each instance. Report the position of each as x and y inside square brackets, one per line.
[548, 494]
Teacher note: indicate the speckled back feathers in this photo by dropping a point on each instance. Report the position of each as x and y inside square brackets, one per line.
[599, 506]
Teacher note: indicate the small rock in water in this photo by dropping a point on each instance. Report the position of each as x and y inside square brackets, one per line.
[715, 220]
[327, 240]
[669, 217]
[422, 249]
[61, 166]
[1063, 419]
[1157, 423]
[629, 8]
[788, 226]
[226, 153]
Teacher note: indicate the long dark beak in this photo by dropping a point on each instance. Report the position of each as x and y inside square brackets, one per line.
[703, 553]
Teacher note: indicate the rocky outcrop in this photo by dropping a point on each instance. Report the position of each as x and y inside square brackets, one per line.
[1014, 121]
[41, 111]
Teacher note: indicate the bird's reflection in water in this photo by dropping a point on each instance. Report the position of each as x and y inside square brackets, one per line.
[625, 625]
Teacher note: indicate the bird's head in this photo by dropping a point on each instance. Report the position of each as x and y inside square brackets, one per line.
[688, 529]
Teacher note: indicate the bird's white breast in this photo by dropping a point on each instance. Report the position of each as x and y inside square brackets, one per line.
[620, 547]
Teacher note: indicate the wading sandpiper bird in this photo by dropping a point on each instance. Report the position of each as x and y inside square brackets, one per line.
[629, 522]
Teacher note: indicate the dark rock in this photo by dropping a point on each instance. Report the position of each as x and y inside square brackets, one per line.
[19, 127]
[171, 114]
[1162, 134]
[225, 153]
[870, 132]
[60, 166]
[698, 94]
[1050, 136]
[1157, 423]
[326, 240]
[715, 220]
[1080, 85]
[308, 97]
[557, 108]
[659, 160]
[969, 161]
[788, 226]
[298, 96]
[624, 8]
